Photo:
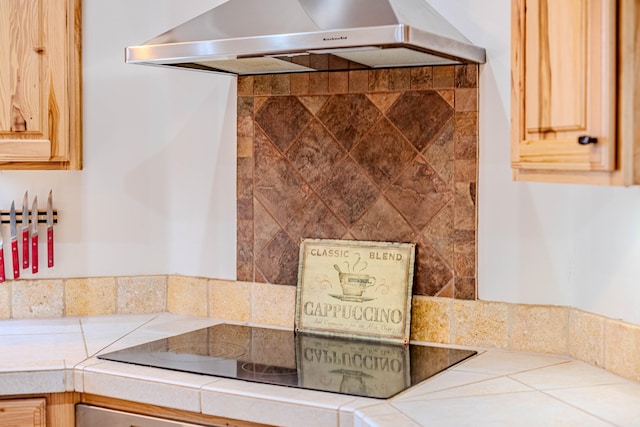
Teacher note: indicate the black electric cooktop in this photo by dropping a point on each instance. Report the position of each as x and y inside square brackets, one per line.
[274, 356]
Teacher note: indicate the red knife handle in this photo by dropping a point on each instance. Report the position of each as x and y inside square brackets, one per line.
[2, 275]
[34, 253]
[25, 248]
[14, 257]
[50, 247]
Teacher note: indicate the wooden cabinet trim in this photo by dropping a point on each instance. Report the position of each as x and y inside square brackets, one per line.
[629, 89]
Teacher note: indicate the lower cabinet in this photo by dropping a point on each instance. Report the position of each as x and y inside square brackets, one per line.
[23, 412]
[47, 409]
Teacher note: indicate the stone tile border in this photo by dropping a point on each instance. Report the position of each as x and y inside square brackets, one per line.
[607, 343]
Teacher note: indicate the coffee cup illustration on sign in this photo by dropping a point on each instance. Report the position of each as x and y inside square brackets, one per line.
[353, 285]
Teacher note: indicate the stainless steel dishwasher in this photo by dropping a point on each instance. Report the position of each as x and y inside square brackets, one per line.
[93, 416]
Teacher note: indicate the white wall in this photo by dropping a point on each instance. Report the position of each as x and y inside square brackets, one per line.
[538, 243]
[157, 194]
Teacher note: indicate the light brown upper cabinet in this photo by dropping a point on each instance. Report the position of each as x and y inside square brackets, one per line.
[40, 84]
[575, 91]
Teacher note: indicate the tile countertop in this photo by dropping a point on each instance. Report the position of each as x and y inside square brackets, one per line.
[494, 388]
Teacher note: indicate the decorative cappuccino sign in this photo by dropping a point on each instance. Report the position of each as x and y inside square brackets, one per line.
[355, 289]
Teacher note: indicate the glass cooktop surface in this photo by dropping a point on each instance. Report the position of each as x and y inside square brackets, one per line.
[282, 357]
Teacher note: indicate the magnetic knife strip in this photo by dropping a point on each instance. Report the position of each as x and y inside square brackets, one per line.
[42, 216]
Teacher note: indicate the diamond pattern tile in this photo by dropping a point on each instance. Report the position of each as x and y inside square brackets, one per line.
[372, 155]
[313, 103]
[419, 115]
[433, 271]
[383, 153]
[440, 231]
[282, 192]
[349, 117]
[315, 153]
[419, 193]
[383, 223]
[315, 220]
[349, 192]
[265, 154]
[266, 227]
[384, 100]
[278, 262]
[282, 118]
[440, 153]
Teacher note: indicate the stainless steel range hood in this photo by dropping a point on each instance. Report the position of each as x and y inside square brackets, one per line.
[247, 37]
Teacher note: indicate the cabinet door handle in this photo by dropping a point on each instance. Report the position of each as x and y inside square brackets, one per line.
[585, 139]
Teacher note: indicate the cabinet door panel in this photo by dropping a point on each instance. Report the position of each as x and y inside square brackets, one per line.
[23, 412]
[40, 83]
[556, 65]
[25, 80]
[564, 84]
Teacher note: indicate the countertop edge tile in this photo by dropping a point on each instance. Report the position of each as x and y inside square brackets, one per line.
[148, 374]
[263, 410]
[383, 415]
[36, 381]
[276, 393]
[138, 390]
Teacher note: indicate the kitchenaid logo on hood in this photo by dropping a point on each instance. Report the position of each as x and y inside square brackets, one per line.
[330, 39]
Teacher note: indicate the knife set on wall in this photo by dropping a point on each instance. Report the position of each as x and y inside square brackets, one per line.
[29, 220]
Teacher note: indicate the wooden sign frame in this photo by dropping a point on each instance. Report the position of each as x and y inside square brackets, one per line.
[355, 289]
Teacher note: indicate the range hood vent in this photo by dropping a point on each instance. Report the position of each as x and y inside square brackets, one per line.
[247, 37]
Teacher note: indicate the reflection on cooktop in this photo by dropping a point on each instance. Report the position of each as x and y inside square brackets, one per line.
[274, 356]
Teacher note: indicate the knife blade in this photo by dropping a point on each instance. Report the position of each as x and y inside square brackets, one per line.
[14, 240]
[2, 275]
[34, 235]
[50, 230]
[25, 230]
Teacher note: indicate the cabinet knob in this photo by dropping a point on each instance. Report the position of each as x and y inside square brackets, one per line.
[585, 139]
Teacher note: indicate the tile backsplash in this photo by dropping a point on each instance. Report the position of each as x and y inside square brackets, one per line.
[382, 155]
[608, 343]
